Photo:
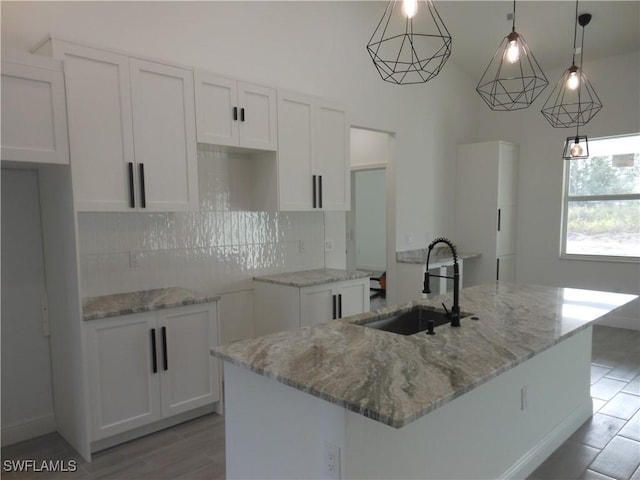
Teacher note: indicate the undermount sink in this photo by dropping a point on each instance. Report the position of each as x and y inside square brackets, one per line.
[413, 321]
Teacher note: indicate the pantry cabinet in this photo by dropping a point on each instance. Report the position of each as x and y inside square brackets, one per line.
[285, 307]
[149, 366]
[34, 115]
[131, 130]
[486, 207]
[235, 114]
[313, 153]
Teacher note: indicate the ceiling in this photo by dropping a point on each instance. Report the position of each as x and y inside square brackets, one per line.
[477, 27]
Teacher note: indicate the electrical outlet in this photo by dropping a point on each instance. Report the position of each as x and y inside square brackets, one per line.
[328, 245]
[331, 461]
[408, 238]
[135, 259]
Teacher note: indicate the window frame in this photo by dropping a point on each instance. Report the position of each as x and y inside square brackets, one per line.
[567, 199]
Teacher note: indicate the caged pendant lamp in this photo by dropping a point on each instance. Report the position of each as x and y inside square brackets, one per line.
[411, 44]
[573, 102]
[513, 79]
[576, 147]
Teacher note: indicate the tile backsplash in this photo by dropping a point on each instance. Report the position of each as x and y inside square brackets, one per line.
[217, 249]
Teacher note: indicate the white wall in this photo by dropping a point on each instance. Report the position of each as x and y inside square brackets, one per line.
[312, 47]
[27, 406]
[540, 180]
[371, 220]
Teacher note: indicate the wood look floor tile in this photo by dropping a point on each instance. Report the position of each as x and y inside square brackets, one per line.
[619, 459]
[633, 387]
[598, 430]
[606, 388]
[632, 429]
[591, 475]
[597, 372]
[569, 461]
[623, 405]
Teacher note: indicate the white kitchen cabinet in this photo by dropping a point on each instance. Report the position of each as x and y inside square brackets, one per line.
[283, 307]
[131, 130]
[149, 366]
[486, 207]
[235, 114]
[313, 154]
[34, 113]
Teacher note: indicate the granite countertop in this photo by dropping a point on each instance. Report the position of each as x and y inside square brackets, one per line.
[124, 303]
[308, 278]
[440, 256]
[396, 379]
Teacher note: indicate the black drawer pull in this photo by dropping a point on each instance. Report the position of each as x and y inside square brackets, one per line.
[164, 348]
[235, 113]
[320, 190]
[314, 191]
[154, 353]
[334, 307]
[499, 218]
[143, 194]
[132, 195]
[339, 305]
[242, 114]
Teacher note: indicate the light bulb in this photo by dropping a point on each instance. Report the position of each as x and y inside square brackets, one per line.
[576, 150]
[410, 8]
[573, 81]
[513, 52]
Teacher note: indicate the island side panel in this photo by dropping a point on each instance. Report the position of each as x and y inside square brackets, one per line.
[275, 431]
[484, 433]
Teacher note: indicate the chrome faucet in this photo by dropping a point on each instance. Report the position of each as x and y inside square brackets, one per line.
[455, 308]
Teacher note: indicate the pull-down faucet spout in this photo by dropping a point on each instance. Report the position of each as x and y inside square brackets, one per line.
[455, 308]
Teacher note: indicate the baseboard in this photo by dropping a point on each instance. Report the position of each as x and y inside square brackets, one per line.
[550, 443]
[32, 428]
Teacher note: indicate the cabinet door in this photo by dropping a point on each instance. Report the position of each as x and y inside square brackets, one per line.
[506, 238]
[100, 126]
[164, 133]
[125, 391]
[216, 99]
[317, 304]
[296, 154]
[333, 157]
[34, 114]
[258, 119]
[189, 373]
[506, 268]
[354, 297]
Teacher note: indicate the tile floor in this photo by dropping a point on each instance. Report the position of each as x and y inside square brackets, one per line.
[605, 447]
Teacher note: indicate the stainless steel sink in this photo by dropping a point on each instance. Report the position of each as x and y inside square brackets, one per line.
[414, 321]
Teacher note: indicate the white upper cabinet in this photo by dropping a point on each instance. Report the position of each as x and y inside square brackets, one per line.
[313, 154]
[131, 130]
[235, 114]
[34, 115]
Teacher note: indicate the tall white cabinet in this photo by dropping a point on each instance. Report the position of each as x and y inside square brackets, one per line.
[486, 207]
[131, 129]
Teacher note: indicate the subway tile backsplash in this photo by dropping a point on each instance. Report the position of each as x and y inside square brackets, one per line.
[217, 249]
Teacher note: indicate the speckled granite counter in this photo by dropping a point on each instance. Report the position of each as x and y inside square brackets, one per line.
[397, 379]
[308, 278]
[124, 303]
[440, 257]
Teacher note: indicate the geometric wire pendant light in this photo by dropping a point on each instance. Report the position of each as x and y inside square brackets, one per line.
[573, 102]
[412, 45]
[513, 79]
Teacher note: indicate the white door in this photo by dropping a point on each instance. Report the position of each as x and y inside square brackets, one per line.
[318, 304]
[354, 297]
[123, 373]
[296, 153]
[332, 157]
[189, 373]
[216, 109]
[257, 117]
[100, 126]
[164, 136]
[27, 398]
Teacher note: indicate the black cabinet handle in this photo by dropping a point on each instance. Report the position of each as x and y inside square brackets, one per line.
[497, 269]
[235, 113]
[242, 114]
[154, 353]
[499, 218]
[320, 190]
[164, 348]
[339, 305]
[334, 307]
[314, 191]
[132, 197]
[143, 193]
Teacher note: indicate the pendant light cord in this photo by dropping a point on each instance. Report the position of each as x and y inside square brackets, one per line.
[513, 20]
[575, 33]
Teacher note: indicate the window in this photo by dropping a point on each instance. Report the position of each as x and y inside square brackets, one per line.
[601, 215]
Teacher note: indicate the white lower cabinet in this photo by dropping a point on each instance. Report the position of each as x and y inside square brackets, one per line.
[283, 307]
[149, 366]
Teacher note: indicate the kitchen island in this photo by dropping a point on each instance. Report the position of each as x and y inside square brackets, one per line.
[490, 399]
